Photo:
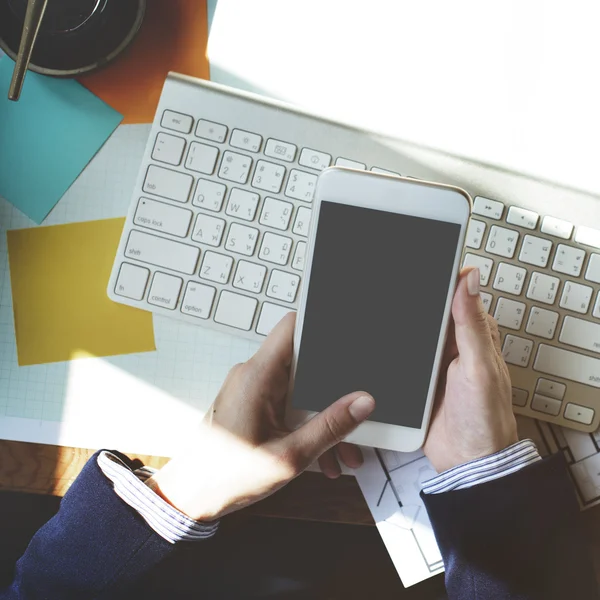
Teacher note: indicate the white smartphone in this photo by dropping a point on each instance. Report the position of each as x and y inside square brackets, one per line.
[382, 263]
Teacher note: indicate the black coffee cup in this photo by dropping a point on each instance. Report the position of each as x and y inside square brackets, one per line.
[75, 36]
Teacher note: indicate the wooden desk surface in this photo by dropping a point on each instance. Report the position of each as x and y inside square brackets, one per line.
[44, 469]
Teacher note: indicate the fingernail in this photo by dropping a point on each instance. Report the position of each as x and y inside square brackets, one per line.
[331, 474]
[473, 282]
[361, 408]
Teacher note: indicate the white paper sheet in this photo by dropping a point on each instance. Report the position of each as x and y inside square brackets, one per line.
[391, 483]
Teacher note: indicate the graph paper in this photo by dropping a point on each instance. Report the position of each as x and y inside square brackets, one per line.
[75, 403]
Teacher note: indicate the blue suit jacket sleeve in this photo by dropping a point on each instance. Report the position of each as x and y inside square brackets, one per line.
[517, 537]
[94, 547]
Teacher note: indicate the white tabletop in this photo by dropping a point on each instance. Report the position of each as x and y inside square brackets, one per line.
[513, 83]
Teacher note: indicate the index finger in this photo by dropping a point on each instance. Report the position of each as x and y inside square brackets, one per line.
[278, 347]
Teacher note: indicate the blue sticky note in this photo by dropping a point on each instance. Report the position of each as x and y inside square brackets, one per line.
[47, 138]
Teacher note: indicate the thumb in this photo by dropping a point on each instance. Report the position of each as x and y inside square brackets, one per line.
[329, 427]
[471, 328]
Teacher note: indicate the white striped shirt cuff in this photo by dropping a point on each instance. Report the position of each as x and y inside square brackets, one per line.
[494, 466]
[171, 524]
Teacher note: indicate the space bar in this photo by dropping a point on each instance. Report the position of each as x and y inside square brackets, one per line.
[570, 365]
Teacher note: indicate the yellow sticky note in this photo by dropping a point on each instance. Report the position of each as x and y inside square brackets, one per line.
[59, 276]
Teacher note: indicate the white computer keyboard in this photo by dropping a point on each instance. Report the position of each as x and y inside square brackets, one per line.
[216, 236]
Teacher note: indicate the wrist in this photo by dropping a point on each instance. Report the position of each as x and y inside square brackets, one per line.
[454, 455]
[177, 490]
[482, 470]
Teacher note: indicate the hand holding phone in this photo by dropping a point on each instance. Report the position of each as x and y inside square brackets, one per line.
[243, 452]
[473, 415]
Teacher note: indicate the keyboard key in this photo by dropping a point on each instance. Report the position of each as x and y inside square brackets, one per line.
[268, 176]
[198, 300]
[596, 312]
[270, 315]
[208, 230]
[283, 286]
[302, 221]
[557, 227]
[244, 140]
[201, 158]
[492, 209]
[164, 217]
[588, 237]
[568, 365]
[242, 239]
[301, 185]
[209, 195]
[211, 131]
[580, 333]
[576, 297]
[216, 267]
[502, 241]
[242, 204]
[176, 121]
[168, 184]
[543, 288]
[161, 252]
[165, 290]
[579, 414]
[535, 251]
[276, 213]
[593, 269]
[568, 260]
[235, 167]
[299, 254]
[249, 276]
[551, 389]
[519, 397]
[168, 148]
[275, 248]
[236, 310]
[131, 282]
[486, 300]
[517, 350]
[509, 313]
[522, 217]
[484, 264]
[475, 233]
[314, 159]
[549, 406]
[509, 279]
[281, 150]
[542, 322]
[384, 171]
[350, 164]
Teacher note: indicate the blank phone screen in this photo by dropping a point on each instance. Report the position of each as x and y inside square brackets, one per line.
[376, 299]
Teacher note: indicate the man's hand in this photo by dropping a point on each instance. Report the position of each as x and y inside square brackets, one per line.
[244, 451]
[473, 414]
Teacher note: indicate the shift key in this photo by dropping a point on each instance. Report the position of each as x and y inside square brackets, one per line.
[161, 252]
[570, 365]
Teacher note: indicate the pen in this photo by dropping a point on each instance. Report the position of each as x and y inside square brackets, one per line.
[31, 26]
